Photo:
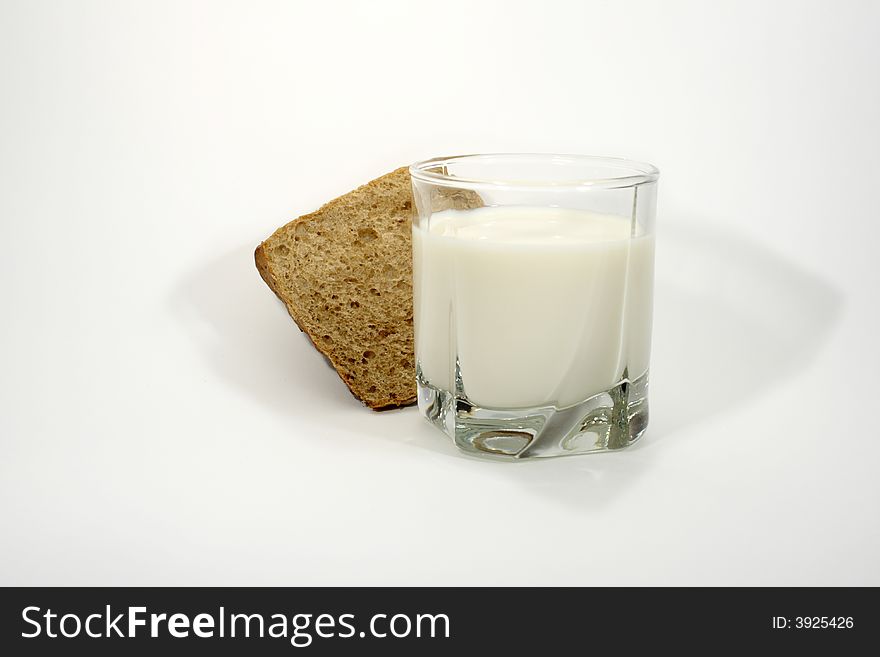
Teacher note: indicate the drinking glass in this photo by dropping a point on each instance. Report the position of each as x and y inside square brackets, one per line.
[533, 294]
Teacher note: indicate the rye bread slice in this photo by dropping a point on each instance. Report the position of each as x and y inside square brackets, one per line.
[345, 274]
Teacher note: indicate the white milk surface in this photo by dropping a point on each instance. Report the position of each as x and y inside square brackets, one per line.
[542, 305]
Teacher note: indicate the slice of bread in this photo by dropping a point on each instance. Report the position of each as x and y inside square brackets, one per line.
[345, 274]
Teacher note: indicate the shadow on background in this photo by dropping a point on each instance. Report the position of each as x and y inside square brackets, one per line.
[250, 342]
[732, 321]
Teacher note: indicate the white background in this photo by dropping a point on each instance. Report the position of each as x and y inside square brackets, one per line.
[162, 421]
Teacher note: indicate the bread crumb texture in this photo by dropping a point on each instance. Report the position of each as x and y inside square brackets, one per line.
[345, 275]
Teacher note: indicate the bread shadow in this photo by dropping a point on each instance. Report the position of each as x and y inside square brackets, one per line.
[247, 337]
[733, 320]
[250, 343]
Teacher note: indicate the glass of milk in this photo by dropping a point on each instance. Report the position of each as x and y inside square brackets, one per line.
[533, 285]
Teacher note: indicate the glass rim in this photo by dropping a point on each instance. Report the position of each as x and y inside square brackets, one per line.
[632, 172]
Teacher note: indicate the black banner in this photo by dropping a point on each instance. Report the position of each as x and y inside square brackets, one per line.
[429, 621]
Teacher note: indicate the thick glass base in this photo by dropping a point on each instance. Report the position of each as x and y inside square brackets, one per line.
[608, 421]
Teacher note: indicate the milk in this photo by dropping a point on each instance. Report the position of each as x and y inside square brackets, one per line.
[541, 306]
